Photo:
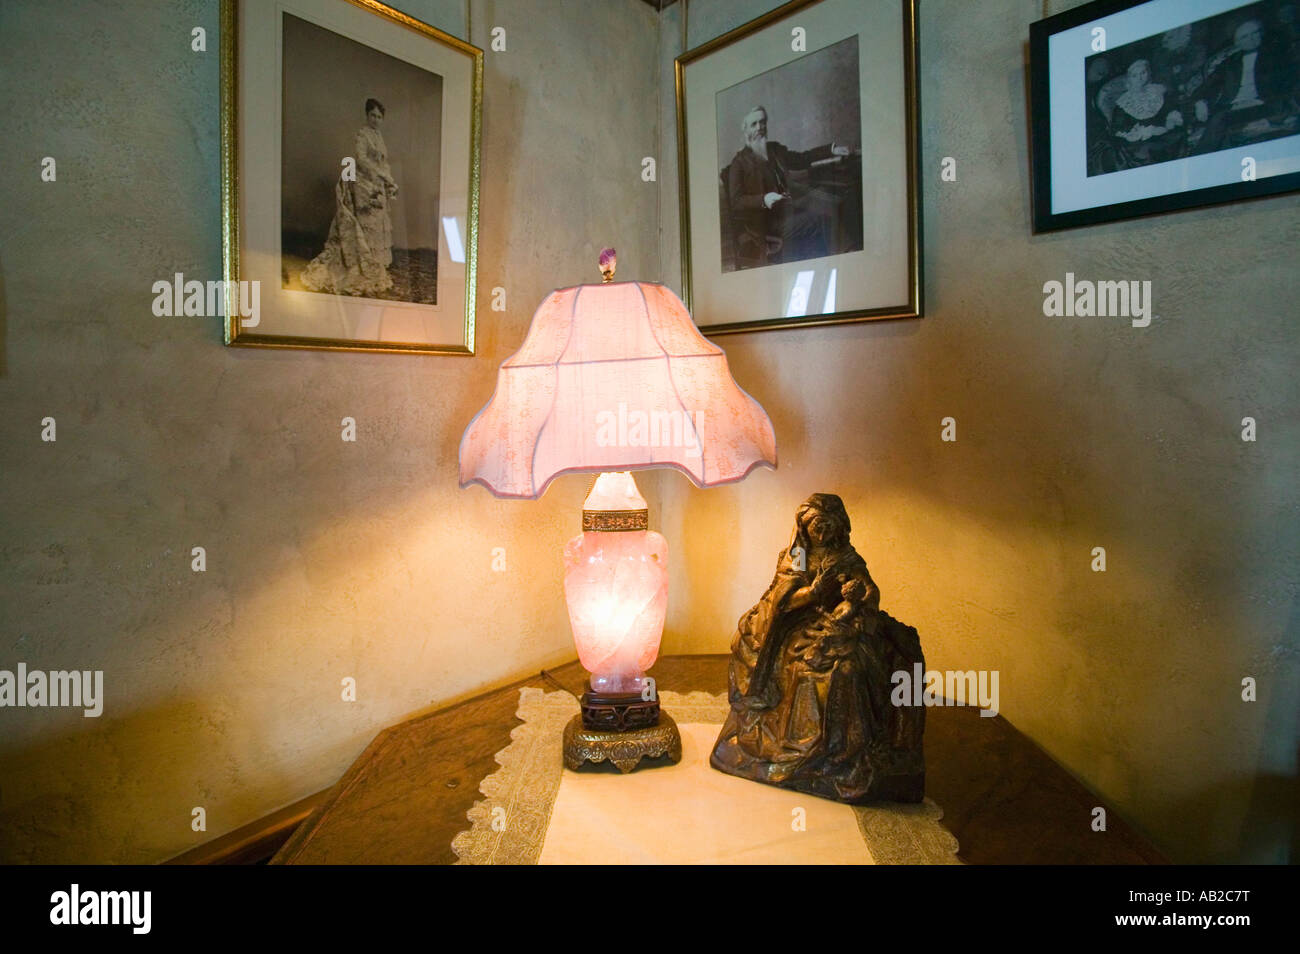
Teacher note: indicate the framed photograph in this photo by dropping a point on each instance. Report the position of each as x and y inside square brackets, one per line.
[797, 147]
[1144, 106]
[350, 178]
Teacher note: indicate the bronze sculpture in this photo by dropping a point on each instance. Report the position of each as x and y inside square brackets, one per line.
[810, 676]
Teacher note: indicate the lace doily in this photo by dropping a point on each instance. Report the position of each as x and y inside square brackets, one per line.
[509, 825]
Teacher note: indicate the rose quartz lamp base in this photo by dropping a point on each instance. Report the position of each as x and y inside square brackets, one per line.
[617, 591]
[616, 586]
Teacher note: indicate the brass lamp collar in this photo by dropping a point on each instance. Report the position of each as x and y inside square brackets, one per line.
[614, 521]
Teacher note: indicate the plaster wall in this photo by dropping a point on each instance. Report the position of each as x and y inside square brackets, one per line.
[325, 559]
[1071, 434]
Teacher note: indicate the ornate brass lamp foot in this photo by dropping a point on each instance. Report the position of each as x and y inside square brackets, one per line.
[624, 749]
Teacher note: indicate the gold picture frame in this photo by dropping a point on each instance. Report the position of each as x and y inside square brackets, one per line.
[742, 273]
[368, 321]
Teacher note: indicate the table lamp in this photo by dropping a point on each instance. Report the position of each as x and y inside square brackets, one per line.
[610, 379]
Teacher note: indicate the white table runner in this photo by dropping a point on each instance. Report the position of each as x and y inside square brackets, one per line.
[537, 812]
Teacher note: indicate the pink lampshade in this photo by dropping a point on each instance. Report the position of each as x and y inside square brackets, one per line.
[614, 377]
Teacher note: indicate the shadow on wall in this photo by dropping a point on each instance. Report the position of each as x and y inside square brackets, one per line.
[4, 325]
[1268, 832]
[1270, 835]
[1259, 809]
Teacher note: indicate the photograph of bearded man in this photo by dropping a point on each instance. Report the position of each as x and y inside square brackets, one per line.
[796, 196]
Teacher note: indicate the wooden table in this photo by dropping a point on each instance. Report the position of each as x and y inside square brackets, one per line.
[405, 797]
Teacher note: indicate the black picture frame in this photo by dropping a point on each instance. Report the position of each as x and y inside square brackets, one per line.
[1041, 133]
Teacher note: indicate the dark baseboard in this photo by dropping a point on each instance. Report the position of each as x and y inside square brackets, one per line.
[255, 842]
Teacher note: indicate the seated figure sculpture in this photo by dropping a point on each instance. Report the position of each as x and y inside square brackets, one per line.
[810, 676]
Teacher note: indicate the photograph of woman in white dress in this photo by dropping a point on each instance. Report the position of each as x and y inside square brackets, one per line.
[359, 206]
[359, 248]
